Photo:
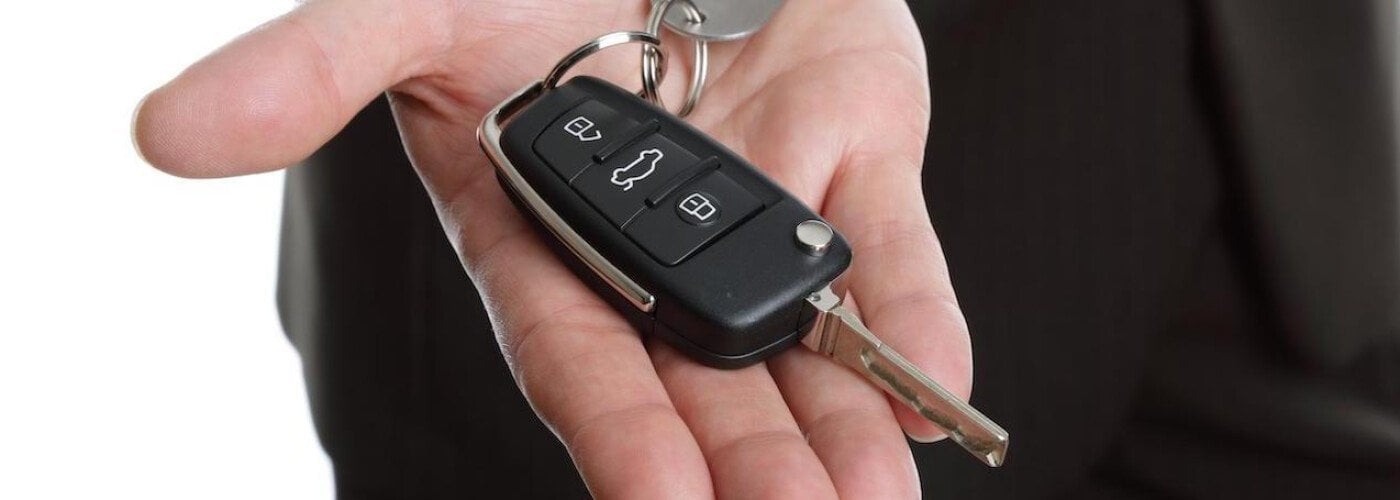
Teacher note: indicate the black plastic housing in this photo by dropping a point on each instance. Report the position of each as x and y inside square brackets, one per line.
[733, 303]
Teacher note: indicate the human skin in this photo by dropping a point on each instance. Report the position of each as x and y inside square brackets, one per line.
[830, 100]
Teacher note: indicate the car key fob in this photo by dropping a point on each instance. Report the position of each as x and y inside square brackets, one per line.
[692, 243]
[686, 238]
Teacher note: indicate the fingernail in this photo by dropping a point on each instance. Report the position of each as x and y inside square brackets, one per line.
[926, 438]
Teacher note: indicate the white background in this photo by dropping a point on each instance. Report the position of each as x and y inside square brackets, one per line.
[140, 353]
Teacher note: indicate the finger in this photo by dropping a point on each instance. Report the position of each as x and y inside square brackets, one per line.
[584, 370]
[749, 438]
[898, 275]
[848, 424]
[271, 97]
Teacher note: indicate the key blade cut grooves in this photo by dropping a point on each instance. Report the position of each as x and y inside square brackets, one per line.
[982, 438]
[842, 336]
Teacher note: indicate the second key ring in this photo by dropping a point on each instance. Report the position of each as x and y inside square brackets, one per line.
[651, 70]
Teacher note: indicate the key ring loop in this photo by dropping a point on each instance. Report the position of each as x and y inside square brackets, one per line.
[653, 68]
[650, 43]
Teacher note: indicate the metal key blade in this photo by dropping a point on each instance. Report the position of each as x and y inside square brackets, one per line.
[840, 334]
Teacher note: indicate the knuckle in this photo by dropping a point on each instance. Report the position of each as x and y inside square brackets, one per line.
[481, 262]
[839, 422]
[764, 440]
[572, 317]
[896, 236]
[922, 302]
[642, 418]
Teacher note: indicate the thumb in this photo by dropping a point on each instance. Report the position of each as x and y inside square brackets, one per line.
[271, 97]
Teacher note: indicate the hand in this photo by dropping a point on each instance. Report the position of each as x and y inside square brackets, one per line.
[830, 99]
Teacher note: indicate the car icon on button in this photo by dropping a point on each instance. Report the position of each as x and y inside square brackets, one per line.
[639, 169]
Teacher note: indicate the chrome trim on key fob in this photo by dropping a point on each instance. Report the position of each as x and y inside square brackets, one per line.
[489, 135]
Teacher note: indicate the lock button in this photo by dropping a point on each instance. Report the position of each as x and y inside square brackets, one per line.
[569, 143]
[698, 209]
[691, 217]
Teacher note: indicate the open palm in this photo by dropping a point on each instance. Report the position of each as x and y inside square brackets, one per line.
[830, 99]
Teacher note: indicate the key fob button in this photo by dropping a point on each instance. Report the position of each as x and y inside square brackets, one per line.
[568, 144]
[692, 217]
[619, 187]
[698, 208]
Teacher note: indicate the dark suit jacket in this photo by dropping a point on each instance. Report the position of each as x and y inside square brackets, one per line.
[1173, 228]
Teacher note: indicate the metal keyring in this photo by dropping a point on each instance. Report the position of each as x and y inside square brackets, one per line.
[650, 42]
[653, 68]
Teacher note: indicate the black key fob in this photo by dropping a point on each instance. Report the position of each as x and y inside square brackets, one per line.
[683, 236]
[692, 243]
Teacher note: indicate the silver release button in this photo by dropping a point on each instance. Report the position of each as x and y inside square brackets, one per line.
[814, 236]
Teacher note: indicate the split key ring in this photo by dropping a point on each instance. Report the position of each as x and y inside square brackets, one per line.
[653, 66]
